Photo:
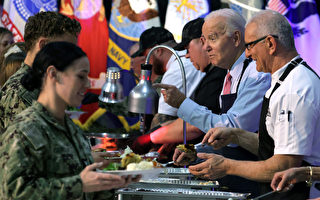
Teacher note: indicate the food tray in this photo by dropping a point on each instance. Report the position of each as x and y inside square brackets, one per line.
[177, 183]
[181, 173]
[181, 193]
[171, 170]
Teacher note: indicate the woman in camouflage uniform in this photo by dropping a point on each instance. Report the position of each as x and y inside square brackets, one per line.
[43, 154]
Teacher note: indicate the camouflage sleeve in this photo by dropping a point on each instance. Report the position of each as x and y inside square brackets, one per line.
[10, 106]
[22, 174]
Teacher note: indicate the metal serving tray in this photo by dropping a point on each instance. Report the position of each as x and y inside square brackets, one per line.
[177, 193]
[181, 173]
[176, 183]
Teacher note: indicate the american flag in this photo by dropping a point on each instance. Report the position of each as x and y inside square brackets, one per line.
[277, 5]
[304, 20]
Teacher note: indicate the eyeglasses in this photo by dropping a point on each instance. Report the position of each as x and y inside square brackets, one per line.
[250, 45]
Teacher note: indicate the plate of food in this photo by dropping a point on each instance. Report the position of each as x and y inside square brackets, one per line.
[146, 174]
[134, 164]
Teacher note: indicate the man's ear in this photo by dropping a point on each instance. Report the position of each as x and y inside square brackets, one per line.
[237, 38]
[42, 42]
[271, 44]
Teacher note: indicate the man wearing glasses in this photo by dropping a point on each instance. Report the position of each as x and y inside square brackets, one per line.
[241, 96]
[289, 122]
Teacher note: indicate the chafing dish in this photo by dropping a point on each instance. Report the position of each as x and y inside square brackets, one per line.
[176, 183]
[174, 194]
[181, 173]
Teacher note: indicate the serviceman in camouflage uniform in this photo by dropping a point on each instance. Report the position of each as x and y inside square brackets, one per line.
[40, 29]
[43, 154]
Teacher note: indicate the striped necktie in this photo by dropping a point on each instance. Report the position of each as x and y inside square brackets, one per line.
[227, 84]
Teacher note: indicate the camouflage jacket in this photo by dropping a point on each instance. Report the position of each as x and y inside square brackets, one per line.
[14, 98]
[42, 159]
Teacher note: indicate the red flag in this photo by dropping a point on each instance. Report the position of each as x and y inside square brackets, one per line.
[93, 39]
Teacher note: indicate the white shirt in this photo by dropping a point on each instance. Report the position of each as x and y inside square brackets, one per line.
[293, 119]
[173, 77]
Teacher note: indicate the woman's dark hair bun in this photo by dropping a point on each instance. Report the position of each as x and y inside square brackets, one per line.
[30, 80]
[57, 54]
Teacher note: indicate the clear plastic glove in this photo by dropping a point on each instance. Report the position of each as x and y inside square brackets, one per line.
[171, 94]
[219, 137]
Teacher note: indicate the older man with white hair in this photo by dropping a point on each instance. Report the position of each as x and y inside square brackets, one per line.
[242, 93]
[289, 122]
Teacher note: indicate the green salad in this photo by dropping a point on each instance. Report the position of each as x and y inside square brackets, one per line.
[112, 166]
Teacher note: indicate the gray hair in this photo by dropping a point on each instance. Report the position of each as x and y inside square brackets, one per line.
[273, 23]
[234, 21]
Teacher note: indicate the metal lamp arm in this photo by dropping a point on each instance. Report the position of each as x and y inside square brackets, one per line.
[183, 74]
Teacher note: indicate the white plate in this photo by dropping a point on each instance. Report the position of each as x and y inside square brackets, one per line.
[146, 174]
[74, 114]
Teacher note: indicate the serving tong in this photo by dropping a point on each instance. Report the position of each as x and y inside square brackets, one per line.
[264, 195]
[166, 164]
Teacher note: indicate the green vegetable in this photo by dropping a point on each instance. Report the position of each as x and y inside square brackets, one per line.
[73, 109]
[112, 166]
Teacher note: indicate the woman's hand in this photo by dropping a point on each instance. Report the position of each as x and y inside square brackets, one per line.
[100, 157]
[93, 181]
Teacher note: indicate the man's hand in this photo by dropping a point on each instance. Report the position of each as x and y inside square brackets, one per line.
[171, 94]
[182, 158]
[214, 167]
[284, 181]
[220, 137]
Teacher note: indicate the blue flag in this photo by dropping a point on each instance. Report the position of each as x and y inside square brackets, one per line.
[129, 18]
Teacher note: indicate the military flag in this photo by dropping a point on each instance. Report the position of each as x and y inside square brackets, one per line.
[129, 18]
[304, 19]
[179, 12]
[16, 12]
